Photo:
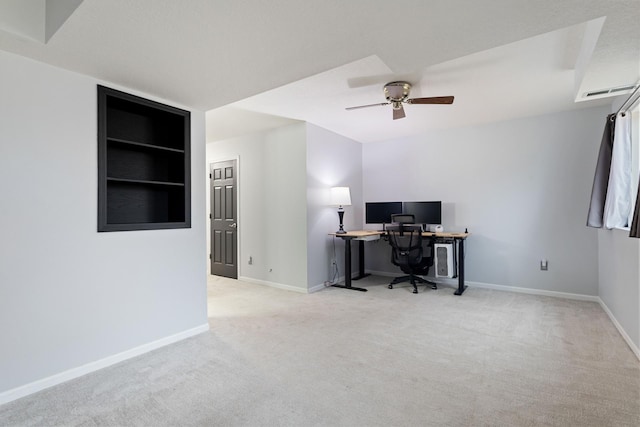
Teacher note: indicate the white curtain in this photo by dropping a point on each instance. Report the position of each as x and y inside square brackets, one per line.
[617, 207]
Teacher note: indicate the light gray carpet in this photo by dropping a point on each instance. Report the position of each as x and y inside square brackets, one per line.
[380, 358]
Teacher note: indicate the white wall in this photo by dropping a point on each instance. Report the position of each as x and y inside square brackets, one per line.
[332, 161]
[68, 294]
[272, 204]
[521, 187]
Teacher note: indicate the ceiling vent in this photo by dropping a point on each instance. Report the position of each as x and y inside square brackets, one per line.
[611, 91]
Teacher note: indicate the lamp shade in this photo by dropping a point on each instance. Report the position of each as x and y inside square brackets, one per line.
[340, 196]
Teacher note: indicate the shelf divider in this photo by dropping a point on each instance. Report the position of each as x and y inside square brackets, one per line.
[142, 144]
[142, 181]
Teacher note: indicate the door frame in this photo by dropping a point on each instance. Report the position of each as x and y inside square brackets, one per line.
[208, 227]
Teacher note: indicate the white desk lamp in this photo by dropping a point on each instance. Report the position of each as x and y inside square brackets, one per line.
[340, 197]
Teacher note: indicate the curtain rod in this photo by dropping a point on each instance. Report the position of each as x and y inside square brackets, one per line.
[622, 107]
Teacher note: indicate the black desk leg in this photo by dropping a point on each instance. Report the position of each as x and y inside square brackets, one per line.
[461, 285]
[347, 267]
[361, 272]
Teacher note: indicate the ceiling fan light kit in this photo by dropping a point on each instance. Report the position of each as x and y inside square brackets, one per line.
[397, 93]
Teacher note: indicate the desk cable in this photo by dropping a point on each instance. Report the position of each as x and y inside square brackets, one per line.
[334, 265]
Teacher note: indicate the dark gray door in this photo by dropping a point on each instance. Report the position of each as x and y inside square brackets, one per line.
[224, 223]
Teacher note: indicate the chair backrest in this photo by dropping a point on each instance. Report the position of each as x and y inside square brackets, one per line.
[406, 243]
[403, 218]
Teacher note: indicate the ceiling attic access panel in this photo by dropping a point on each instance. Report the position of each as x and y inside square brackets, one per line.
[143, 163]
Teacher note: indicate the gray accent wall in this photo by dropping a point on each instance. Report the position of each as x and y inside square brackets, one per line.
[521, 187]
[70, 296]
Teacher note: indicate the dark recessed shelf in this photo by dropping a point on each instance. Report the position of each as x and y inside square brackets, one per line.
[144, 170]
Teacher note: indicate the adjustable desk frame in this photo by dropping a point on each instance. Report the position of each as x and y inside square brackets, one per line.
[363, 235]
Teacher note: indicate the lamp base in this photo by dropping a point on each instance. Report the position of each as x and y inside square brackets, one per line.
[341, 217]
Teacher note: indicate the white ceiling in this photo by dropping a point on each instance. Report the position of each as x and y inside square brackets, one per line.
[307, 60]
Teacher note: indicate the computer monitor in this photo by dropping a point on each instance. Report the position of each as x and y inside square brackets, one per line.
[424, 212]
[380, 212]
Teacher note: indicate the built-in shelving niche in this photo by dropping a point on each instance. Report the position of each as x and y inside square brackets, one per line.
[143, 163]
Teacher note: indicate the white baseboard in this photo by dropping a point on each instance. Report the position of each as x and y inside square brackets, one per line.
[530, 291]
[317, 288]
[73, 373]
[620, 329]
[274, 284]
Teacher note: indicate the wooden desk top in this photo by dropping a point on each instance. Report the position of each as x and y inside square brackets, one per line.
[364, 233]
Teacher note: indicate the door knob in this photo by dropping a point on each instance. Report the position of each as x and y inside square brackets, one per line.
[234, 225]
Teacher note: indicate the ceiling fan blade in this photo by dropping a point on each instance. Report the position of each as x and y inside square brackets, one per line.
[367, 106]
[398, 113]
[357, 82]
[379, 79]
[431, 100]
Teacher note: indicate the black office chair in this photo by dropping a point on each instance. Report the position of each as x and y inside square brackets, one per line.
[411, 253]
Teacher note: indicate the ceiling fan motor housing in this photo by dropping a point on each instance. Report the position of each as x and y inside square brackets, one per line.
[397, 92]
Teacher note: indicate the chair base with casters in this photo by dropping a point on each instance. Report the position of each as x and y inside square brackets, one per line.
[413, 279]
[409, 254]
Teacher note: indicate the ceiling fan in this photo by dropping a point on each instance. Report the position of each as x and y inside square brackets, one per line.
[397, 93]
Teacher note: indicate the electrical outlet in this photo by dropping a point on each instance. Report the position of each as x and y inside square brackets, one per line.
[544, 265]
[250, 260]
